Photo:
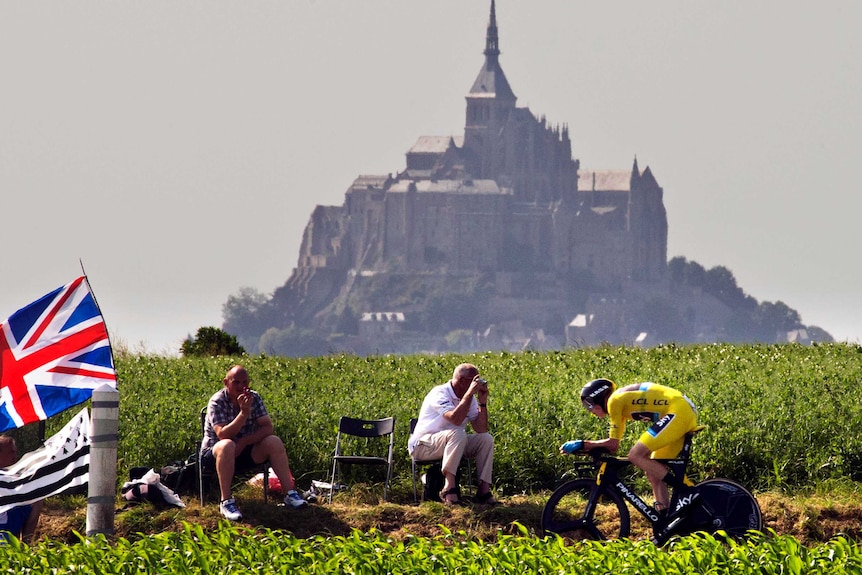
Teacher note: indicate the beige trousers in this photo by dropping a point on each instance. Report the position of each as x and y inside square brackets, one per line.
[453, 444]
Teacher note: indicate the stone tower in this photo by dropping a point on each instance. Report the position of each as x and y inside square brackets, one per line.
[490, 105]
[508, 144]
[506, 201]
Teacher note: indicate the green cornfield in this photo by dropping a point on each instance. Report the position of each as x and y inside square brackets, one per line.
[237, 550]
[783, 417]
[777, 416]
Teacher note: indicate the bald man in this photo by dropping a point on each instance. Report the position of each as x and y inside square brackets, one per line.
[441, 432]
[238, 432]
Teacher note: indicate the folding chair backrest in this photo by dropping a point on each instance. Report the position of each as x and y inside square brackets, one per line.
[204, 476]
[413, 422]
[366, 429]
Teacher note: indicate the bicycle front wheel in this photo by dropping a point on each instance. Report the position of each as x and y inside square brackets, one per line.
[725, 505]
[580, 509]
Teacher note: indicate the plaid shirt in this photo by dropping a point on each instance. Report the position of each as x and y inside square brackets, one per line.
[220, 411]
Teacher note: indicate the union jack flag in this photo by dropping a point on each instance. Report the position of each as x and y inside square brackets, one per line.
[53, 354]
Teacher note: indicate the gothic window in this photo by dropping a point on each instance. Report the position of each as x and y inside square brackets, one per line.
[480, 112]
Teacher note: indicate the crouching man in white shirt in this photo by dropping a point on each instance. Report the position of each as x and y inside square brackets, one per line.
[441, 432]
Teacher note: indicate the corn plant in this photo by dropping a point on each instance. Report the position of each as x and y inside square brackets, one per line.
[239, 550]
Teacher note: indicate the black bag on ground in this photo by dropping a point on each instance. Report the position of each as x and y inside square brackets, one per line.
[137, 472]
[434, 482]
[180, 476]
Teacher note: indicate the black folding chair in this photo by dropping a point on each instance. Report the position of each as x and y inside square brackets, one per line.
[205, 476]
[374, 433]
[418, 464]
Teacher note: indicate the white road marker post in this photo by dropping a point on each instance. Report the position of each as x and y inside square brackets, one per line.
[102, 486]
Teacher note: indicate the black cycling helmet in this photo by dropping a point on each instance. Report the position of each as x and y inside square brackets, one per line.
[597, 392]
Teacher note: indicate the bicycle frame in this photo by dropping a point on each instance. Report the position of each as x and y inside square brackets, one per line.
[608, 477]
[715, 505]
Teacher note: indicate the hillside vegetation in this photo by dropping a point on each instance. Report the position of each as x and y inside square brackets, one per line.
[778, 416]
[453, 312]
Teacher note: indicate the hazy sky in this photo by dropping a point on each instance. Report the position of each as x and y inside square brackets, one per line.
[178, 148]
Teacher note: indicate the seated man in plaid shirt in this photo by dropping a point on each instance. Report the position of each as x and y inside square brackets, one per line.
[238, 433]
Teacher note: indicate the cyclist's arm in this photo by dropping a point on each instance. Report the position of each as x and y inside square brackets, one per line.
[610, 444]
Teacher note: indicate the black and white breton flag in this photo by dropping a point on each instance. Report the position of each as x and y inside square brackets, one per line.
[63, 462]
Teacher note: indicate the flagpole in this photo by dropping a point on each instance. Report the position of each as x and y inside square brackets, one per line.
[95, 301]
[105, 416]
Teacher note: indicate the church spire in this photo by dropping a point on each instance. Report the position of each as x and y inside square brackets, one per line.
[491, 81]
[492, 40]
[490, 104]
[636, 175]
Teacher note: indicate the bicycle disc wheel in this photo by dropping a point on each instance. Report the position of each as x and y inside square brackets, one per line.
[725, 505]
[567, 512]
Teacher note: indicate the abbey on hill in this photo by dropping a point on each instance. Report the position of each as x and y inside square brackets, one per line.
[507, 196]
[495, 238]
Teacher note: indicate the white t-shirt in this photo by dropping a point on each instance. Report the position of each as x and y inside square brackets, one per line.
[439, 400]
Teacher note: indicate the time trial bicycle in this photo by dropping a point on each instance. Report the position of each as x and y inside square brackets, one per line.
[594, 506]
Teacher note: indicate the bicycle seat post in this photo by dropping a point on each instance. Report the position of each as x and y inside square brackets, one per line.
[678, 466]
[684, 456]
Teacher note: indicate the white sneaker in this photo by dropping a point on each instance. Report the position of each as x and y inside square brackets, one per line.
[294, 499]
[229, 509]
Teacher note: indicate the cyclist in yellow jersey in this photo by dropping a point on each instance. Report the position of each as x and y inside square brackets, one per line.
[671, 413]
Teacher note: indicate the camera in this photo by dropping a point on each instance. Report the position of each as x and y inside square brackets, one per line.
[482, 381]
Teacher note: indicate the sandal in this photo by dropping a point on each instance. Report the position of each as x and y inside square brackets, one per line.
[447, 492]
[486, 499]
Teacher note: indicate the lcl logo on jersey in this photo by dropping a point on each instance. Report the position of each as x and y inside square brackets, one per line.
[644, 401]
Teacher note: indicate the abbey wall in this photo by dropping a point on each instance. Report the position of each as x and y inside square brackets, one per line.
[506, 200]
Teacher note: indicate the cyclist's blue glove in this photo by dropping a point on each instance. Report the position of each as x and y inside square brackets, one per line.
[572, 446]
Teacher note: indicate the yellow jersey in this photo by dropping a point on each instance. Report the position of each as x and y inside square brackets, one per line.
[671, 413]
